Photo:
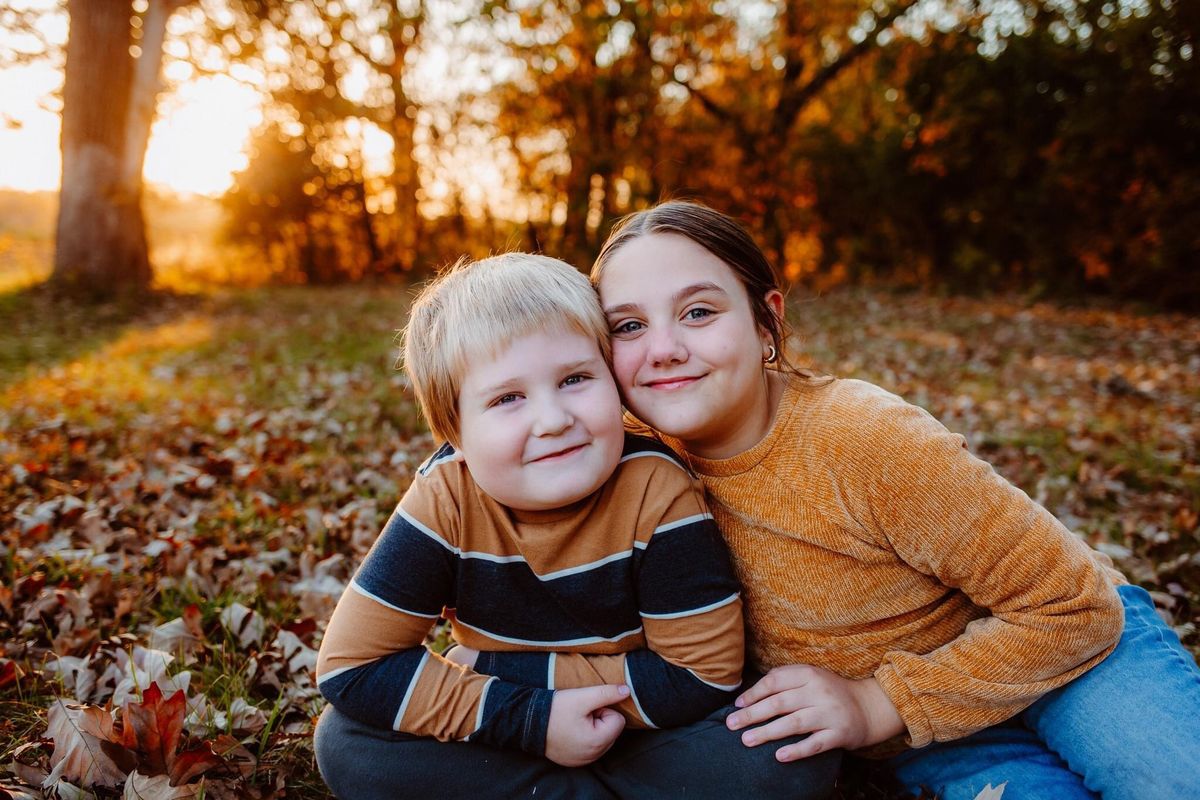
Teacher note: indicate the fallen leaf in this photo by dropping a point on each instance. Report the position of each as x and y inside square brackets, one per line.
[84, 746]
[9, 672]
[153, 727]
[158, 787]
[245, 624]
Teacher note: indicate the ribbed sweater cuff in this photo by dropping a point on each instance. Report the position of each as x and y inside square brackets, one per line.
[515, 717]
[920, 730]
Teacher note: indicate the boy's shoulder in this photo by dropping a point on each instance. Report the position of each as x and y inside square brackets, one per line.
[445, 454]
[638, 446]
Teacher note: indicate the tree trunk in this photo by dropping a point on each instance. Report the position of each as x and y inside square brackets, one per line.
[143, 96]
[101, 238]
[403, 30]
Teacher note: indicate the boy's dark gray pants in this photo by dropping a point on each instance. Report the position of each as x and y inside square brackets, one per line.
[703, 760]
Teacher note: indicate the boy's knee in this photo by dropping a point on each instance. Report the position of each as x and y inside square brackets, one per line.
[809, 778]
[346, 752]
[334, 750]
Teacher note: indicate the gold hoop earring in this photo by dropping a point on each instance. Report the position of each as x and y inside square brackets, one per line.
[771, 356]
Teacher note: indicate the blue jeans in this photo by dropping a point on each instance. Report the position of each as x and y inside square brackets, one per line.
[1127, 728]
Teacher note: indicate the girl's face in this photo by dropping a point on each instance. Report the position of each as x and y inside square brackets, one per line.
[687, 352]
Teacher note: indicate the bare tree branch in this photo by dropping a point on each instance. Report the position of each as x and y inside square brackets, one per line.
[796, 95]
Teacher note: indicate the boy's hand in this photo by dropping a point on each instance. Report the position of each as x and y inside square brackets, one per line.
[836, 711]
[582, 726]
[459, 654]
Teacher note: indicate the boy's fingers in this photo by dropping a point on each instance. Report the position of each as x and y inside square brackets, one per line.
[605, 695]
[610, 723]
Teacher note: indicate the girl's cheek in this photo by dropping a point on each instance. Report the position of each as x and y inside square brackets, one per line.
[626, 359]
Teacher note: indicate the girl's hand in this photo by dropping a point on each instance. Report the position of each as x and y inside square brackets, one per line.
[836, 711]
[458, 654]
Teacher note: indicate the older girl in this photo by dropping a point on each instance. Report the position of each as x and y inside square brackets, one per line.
[904, 597]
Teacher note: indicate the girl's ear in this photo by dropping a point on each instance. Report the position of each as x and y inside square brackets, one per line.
[774, 300]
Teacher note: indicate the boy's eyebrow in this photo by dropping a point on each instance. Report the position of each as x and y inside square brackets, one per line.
[590, 361]
[676, 299]
[498, 388]
[514, 383]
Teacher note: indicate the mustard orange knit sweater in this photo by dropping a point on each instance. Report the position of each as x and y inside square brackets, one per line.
[870, 542]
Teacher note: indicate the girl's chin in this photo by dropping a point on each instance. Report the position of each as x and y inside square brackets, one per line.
[670, 425]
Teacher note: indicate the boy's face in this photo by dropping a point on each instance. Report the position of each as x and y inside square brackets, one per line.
[540, 424]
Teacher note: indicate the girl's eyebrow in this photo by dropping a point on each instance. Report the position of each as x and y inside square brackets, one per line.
[676, 299]
[696, 288]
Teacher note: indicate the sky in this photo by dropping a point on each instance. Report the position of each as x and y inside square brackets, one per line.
[197, 142]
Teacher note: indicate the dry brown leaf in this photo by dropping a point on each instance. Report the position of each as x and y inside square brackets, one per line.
[158, 787]
[153, 727]
[84, 748]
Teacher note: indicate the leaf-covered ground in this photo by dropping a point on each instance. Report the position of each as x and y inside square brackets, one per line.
[185, 488]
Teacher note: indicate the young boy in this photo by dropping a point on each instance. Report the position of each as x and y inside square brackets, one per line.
[579, 562]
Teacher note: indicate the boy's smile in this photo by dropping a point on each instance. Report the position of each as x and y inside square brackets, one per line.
[540, 423]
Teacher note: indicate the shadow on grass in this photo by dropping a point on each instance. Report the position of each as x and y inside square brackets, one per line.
[39, 329]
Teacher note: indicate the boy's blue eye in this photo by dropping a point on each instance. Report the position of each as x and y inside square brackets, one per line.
[572, 380]
[505, 399]
[697, 313]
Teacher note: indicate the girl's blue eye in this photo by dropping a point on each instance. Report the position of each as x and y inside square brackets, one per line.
[697, 313]
[505, 399]
[572, 380]
[628, 327]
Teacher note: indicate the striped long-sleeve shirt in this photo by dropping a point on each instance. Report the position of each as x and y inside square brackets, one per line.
[630, 585]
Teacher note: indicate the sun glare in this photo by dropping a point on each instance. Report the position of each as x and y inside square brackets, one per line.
[29, 129]
[198, 140]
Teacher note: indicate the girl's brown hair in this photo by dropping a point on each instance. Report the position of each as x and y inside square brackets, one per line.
[726, 239]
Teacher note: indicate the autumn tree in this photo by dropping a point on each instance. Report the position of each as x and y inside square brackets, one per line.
[757, 96]
[583, 106]
[109, 95]
[332, 71]
[1058, 157]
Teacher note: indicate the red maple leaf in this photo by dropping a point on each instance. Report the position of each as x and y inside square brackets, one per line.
[153, 727]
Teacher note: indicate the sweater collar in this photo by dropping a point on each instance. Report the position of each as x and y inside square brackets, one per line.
[749, 459]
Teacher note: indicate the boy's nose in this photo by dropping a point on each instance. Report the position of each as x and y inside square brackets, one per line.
[552, 419]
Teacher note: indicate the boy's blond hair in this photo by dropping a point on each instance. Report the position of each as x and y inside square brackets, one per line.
[476, 309]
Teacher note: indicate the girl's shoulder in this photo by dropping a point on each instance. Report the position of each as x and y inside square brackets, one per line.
[847, 404]
[847, 415]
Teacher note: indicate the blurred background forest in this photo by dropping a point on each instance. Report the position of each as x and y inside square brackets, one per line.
[1048, 147]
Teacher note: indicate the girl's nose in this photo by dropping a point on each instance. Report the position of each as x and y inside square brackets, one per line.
[665, 348]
